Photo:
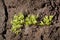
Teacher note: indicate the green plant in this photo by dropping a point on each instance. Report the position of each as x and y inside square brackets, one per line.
[31, 19]
[46, 20]
[17, 22]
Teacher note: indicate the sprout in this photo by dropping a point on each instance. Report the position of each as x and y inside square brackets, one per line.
[46, 20]
[31, 19]
[17, 22]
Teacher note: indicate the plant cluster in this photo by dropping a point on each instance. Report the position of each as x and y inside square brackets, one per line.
[18, 21]
[46, 20]
[31, 19]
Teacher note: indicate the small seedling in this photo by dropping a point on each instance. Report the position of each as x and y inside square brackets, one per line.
[46, 20]
[17, 22]
[31, 19]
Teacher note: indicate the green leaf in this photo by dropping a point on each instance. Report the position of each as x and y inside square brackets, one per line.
[50, 17]
[45, 18]
[41, 23]
[34, 22]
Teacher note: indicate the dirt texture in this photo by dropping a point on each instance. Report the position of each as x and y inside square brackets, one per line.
[41, 7]
[2, 21]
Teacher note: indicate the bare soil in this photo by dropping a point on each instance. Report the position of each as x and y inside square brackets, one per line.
[42, 7]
